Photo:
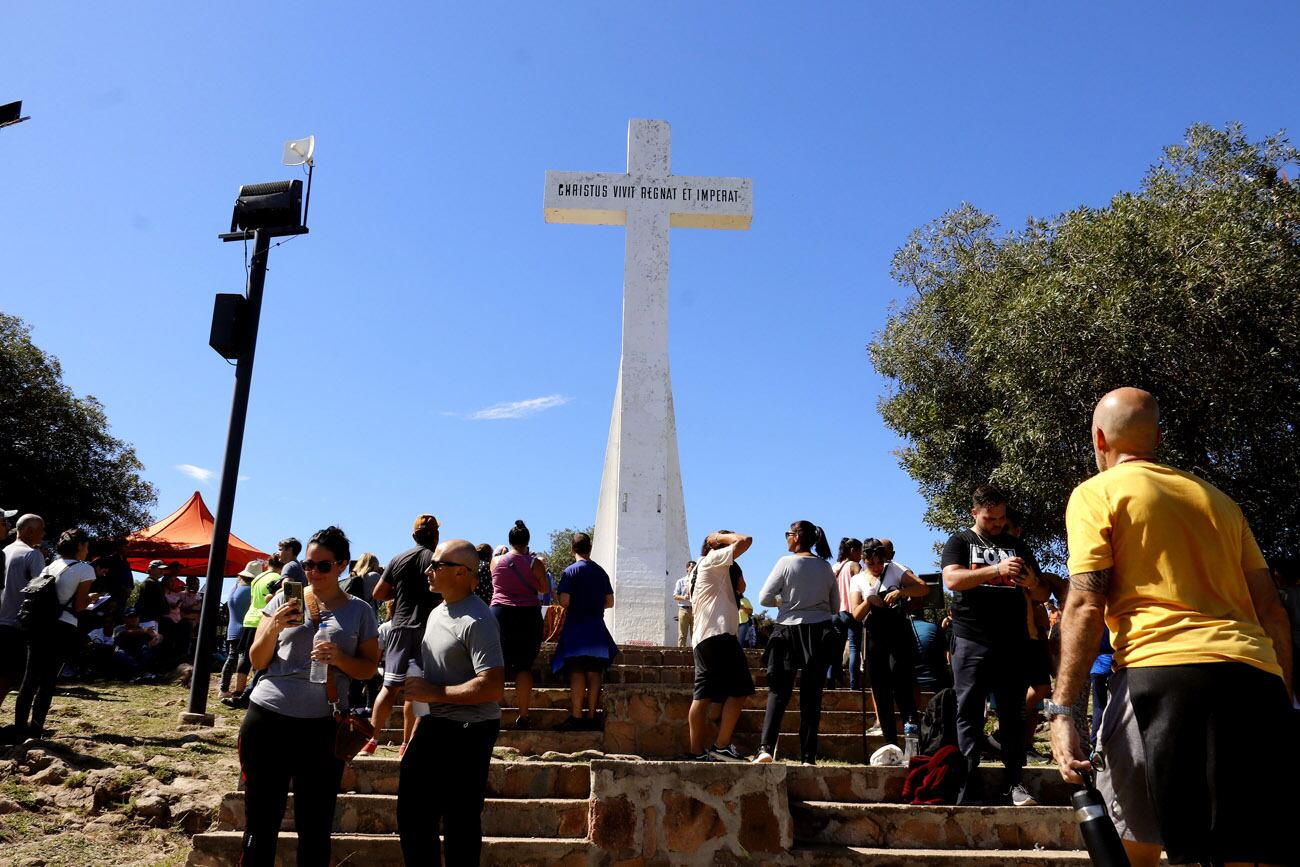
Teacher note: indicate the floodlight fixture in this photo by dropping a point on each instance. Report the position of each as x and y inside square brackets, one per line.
[12, 113]
[276, 205]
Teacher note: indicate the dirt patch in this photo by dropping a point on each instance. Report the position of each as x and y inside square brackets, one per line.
[119, 781]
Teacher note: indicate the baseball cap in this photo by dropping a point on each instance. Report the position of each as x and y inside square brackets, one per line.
[253, 569]
[157, 564]
[9, 514]
[424, 523]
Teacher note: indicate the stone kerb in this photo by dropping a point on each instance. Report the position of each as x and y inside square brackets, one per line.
[653, 813]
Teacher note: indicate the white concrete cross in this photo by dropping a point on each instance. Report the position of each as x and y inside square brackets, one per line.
[641, 516]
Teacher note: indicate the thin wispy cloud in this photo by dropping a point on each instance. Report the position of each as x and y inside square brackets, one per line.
[198, 474]
[520, 408]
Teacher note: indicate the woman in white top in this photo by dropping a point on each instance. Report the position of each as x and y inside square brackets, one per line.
[50, 647]
[877, 596]
[846, 566]
[802, 587]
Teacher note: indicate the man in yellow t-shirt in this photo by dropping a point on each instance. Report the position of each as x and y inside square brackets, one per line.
[1202, 655]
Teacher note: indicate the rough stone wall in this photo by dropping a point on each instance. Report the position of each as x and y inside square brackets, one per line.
[647, 721]
[657, 813]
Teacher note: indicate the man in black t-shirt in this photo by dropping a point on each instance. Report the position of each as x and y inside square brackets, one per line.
[404, 582]
[985, 568]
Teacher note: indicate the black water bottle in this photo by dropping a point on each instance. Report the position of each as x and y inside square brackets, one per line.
[1096, 828]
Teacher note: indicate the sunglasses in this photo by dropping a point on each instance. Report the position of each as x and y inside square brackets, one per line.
[440, 564]
[789, 533]
[319, 566]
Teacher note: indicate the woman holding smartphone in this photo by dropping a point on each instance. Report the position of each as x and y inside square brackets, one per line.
[877, 596]
[287, 738]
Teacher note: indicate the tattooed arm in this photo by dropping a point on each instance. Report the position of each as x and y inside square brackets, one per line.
[1081, 626]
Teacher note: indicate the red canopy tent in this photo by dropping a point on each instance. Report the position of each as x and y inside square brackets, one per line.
[185, 536]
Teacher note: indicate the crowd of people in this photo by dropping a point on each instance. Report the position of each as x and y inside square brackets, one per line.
[1171, 619]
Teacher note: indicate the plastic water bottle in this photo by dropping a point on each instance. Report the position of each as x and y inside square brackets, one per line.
[319, 670]
[420, 708]
[911, 740]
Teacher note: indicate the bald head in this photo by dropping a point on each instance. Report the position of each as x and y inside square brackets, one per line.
[454, 570]
[1126, 423]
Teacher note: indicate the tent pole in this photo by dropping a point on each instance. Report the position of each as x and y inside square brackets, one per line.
[200, 679]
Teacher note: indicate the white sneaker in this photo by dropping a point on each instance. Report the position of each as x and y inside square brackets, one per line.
[875, 732]
[1022, 798]
[763, 758]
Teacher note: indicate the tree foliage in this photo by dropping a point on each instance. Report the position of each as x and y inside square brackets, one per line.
[58, 458]
[560, 555]
[1189, 287]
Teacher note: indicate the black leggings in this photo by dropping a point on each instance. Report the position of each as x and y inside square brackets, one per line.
[891, 660]
[276, 751]
[780, 685]
[47, 650]
[444, 777]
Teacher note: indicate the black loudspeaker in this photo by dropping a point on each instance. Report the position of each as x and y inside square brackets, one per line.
[268, 206]
[229, 330]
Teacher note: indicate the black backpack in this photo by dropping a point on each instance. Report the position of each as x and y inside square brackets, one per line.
[40, 606]
[939, 723]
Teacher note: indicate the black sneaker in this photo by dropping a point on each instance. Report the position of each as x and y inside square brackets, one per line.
[238, 702]
[705, 756]
[523, 723]
[572, 724]
[726, 754]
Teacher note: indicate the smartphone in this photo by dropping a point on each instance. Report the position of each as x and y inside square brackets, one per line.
[293, 590]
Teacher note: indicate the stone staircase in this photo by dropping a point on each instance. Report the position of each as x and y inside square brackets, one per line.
[535, 815]
[553, 799]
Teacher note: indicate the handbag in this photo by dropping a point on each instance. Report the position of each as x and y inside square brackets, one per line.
[352, 731]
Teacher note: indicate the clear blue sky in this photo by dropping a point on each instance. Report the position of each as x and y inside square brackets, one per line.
[430, 288]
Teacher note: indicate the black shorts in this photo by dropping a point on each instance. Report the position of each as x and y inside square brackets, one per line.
[521, 636]
[1220, 745]
[13, 655]
[243, 647]
[721, 669]
[403, 646]
[1038, 662]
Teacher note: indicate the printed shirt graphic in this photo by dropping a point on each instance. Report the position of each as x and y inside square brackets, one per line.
[996, 611]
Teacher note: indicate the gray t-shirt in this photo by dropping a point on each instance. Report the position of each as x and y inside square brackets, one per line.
[461, 640]
[22, 564]
[804, 590]
[285, 688]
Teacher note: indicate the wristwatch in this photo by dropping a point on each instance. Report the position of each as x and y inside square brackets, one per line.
[1051, 709]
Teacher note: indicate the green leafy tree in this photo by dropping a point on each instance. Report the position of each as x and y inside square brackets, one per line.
[560, 555]
[58, 458]
[1189, 287]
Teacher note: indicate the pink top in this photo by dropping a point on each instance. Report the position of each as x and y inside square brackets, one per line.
[842, 576]
[513, 582]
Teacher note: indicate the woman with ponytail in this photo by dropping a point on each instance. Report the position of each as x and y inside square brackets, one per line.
[518, 580]
[803, 589]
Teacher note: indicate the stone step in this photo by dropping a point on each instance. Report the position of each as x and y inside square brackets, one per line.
[378, 775]
[827, 855]
[875, 785]
[832, 699]
[222, 848]
[529, 743]
[651, 656]
[751, 719]
[893, 826]
[377, 814]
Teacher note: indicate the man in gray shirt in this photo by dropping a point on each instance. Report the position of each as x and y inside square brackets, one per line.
[463, 682]
[23, 561]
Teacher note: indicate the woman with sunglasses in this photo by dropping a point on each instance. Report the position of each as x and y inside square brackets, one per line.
[803, 589]
[287, 738]
[877, 597]
[518, 580]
